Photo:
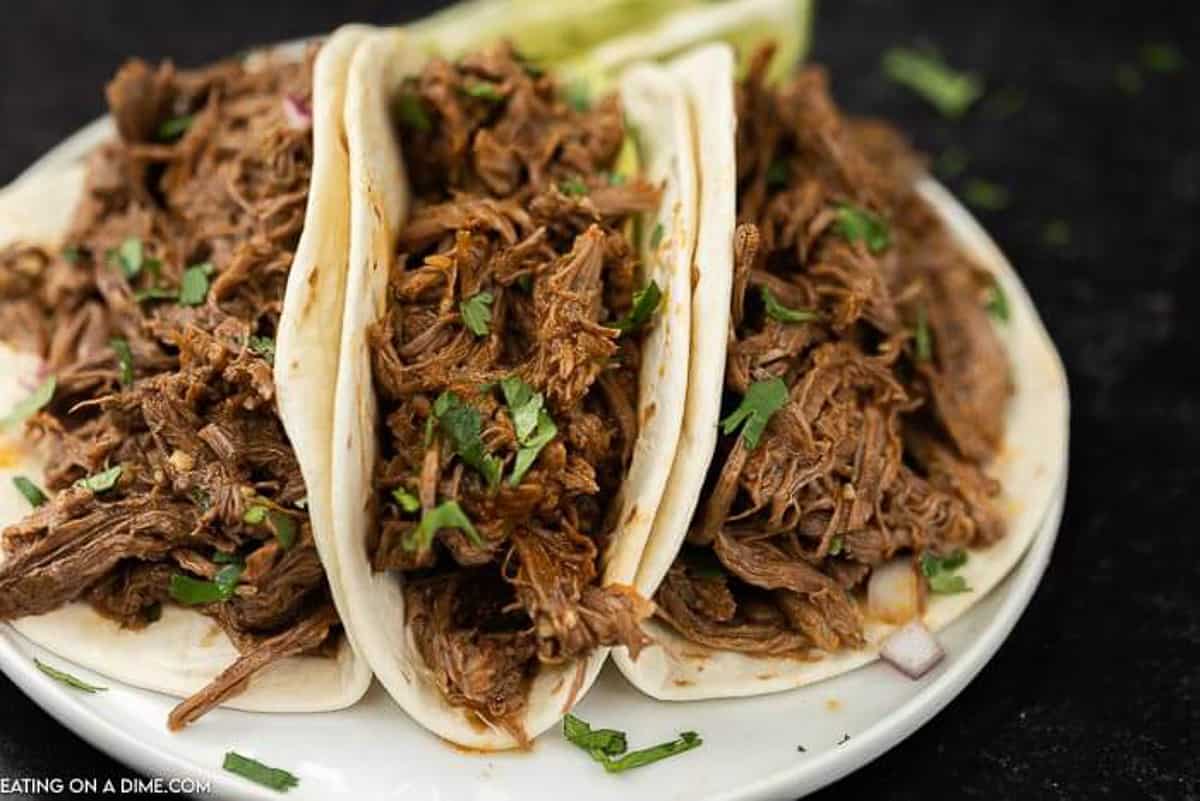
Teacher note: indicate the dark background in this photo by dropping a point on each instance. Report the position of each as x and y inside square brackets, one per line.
[1095, 694]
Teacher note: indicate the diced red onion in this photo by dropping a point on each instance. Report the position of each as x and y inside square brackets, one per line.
[298, 113]
[912, 649]
[894, 592]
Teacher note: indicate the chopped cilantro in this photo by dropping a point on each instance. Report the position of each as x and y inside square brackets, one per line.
[32, 492]
[484, 91]
[412, 112]
[255, 516]
[283, 527]
[1161, 57]
[262, 346]
[101, 482]
[610, 748]
[174, 127]
[922, 338]
[777, 311]
[129, 256]
[1057, 233]
[531, 422]
[408, 502]
[939, 572]
[573, 187]
[31, 405]
[952, 162]
[997, 302]
[192, 591]
[124, 359]
[447, 515]
[949, 91]
[193, 288]
[645, 302]
[656, 236]
[477, 313]
[67, 678]
[578, 96]
[463, 427]
[986, 195]
[275, 778]
[836, 545]
[1128, 79]
[778, 174]
[856, 224]
[156, 293]
[72, 254]
[762, 400]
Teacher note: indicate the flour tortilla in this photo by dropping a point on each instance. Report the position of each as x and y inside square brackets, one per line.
[1031, 464]
[379, 203]
[185, 650]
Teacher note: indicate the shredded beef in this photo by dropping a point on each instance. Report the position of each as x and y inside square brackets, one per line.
[878, 450]
[193, 426]
[515, 200]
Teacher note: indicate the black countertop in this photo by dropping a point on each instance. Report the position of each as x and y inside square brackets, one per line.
[1095, 694]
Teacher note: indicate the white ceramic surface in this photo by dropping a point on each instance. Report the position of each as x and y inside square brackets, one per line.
[372, 751]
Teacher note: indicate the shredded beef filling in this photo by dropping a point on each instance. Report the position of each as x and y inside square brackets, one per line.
[879, 449]
[209, 169]
[518, 212]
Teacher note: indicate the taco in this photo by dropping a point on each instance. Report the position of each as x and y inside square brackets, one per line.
[513, 372]
[170, 315]
[876, 419]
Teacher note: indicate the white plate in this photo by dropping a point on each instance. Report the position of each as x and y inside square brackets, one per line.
[372, 750]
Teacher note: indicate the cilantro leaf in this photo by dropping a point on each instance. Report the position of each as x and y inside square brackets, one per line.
[855, 224]
[986, 195]
[156, 293]
[255, 516]
[948, 90]
[530, 448]
[67, 678]
[939, 572]
[531, 422]
[193, 592]
[463, 427]
[607, 741]
[193, 288]
[32, 492]
[447, 515]
[608, 746]
[477, 313]
[101, 482]
[578, 96]
[262, 346]
[836, 545]
[412, 112]
[523, 405]
[31, 405]
[408, 502]
[778, 174]
[283, 527]
[922, 338]
[761, 401]
[275, 778]
[656, 236]
[129, 256]
[174, 127]
[72, 254]
[124, 359]
[483, 91]
[997, 303]
[573, 187]
[645, 302]
[783, 314]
